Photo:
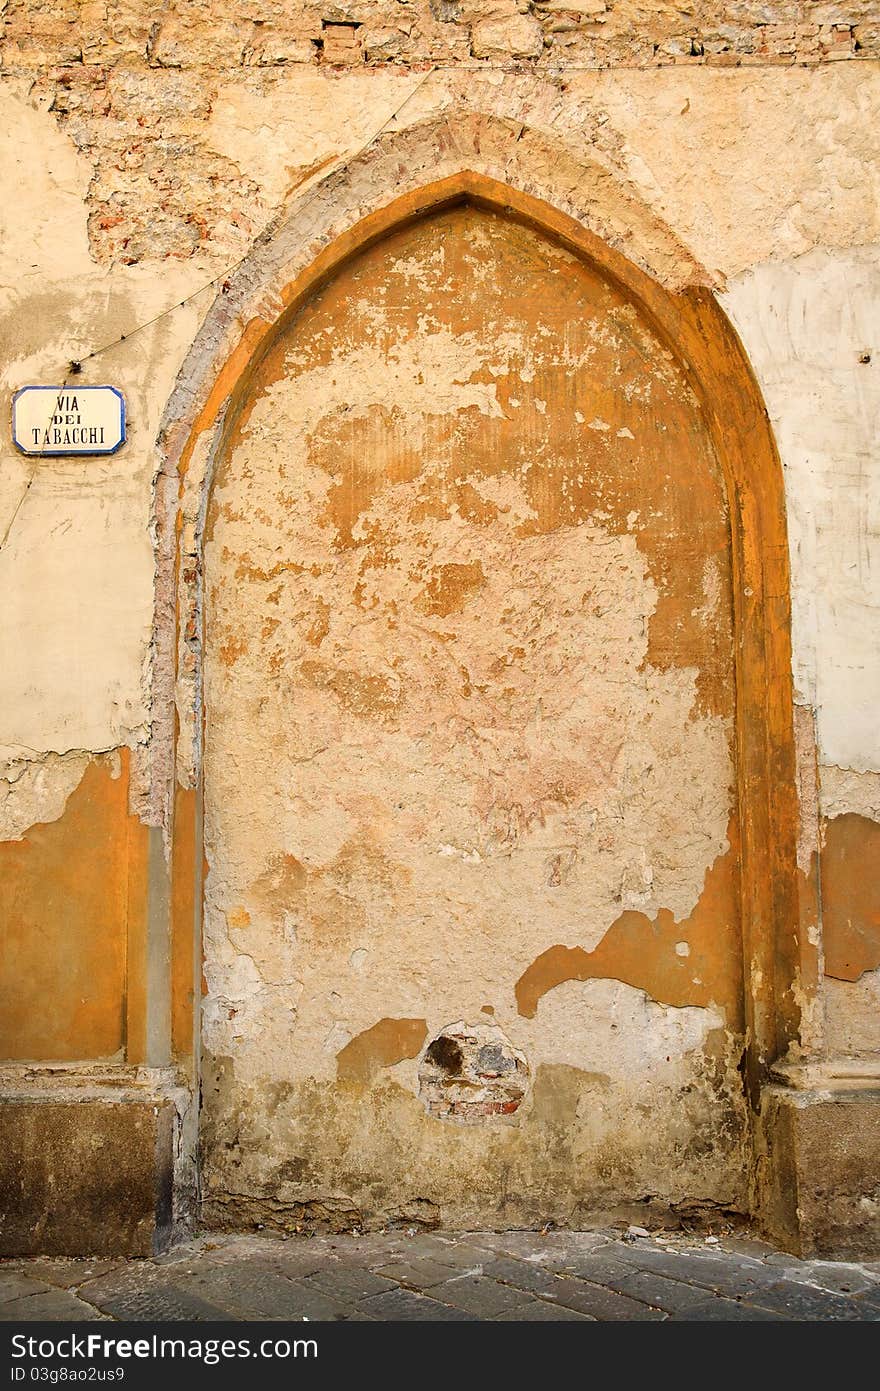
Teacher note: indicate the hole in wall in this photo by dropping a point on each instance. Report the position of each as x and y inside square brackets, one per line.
[471, 1072]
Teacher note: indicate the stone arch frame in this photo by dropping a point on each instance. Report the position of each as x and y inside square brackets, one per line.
[516, 170]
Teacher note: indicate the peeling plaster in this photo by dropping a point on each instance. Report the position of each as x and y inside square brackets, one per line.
[618, 1032]
[37, 791]
[388, 1042]
[84, 669]
[479, 738]
[77, 562]
[851, 896]
[843, 791]
[805, 324]
[851, 1012]
[72, 976]
[632, 121]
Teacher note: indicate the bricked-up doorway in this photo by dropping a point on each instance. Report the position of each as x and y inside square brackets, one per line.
[489, 736]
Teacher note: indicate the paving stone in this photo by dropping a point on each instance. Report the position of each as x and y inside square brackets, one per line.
[781, 1258]
[802, 1302]
[14, 1284]
[578, 1295]
[347, 1284]
[296, 1267]
[839, 1279]
[540, 1311]
[476, 1295]
[66, 1273]
[597, 1268]
[130, 1276]
[459, 1255]
[870, 1298]
[545, 1245]
[606, 1305]
[181, 1256]
[514, 1276]
[252, 1291]
[525, 1275]
[713, 1257]
[738, 1275]
[306, 1302]
[50, 1306]
[574, 1247]
[727, 1311]
[351, 1250]
[159, 1303]
[404, 1305]
[672, 1296]
[414, 1274]
[747, 1246]
[427, 1243]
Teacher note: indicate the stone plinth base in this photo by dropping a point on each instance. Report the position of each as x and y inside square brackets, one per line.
[819, 1161]
[89, 1162]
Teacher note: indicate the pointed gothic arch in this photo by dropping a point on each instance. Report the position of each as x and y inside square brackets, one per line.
[581, 206]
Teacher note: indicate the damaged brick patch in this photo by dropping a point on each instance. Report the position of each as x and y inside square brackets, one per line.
[471, 1071]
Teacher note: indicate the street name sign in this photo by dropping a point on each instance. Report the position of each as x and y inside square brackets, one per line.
[52, 420]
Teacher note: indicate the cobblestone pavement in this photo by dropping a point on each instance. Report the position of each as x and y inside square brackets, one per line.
[416, 1275]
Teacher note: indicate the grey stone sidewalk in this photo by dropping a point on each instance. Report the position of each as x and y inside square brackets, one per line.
[598, 1275]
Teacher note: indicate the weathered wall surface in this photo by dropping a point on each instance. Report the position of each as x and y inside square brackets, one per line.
[469, 694]
[810, 324]
[148, 150]
[71, 900]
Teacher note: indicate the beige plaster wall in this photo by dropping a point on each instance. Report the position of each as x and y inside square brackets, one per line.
[142, 171]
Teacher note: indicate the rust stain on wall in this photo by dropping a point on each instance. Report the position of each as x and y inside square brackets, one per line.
[66, 913]
[692, 962]
[388, 1042]
[851, 896]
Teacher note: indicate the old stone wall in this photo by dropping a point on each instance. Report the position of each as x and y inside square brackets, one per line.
[149, 151]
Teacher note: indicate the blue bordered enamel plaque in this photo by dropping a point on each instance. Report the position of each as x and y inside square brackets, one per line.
[53, 420]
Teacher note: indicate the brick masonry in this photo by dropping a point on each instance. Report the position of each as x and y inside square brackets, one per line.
[135, 89]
